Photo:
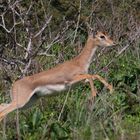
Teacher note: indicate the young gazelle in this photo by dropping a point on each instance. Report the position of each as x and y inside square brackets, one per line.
[27, 90]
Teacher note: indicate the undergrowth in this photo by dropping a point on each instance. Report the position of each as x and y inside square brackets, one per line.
[109, 116]
[72, 115]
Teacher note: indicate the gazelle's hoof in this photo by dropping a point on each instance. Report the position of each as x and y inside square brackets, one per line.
[110, 87]
[93, 94]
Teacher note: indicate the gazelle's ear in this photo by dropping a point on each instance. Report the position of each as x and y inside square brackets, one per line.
[95, 33]
[104, 32]
[90, 35]
[89, 28]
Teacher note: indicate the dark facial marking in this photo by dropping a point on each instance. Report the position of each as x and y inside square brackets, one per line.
[102, 37]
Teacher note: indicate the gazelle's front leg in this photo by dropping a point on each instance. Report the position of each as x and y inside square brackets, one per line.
[93, 90]
[78, 78]
[98, 77]
[81, 77]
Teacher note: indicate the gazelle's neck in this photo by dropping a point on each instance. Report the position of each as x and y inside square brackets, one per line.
[85, 57]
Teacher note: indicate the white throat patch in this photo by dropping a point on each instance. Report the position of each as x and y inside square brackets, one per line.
[90, 58]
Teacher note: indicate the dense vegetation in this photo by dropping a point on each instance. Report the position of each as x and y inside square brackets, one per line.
[37, 35]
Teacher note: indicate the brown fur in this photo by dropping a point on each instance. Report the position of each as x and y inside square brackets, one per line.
[64, 73]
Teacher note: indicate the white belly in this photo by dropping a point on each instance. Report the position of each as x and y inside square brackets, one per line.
[49, 89]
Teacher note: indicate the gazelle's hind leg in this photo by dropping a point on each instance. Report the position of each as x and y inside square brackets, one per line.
[21, 94]
[7, 109]
[3, 106]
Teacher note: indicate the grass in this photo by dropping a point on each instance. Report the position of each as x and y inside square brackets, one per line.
[111, 116]
[73, 115]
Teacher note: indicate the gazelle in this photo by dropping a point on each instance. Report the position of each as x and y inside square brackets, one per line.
[27, 90]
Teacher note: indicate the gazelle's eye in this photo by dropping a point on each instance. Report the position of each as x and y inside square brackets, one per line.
[102, 37]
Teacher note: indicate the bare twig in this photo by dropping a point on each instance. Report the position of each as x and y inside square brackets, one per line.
[64, 104]
[26, 67]
[77, 25]
[28, 48]
[12, 62]
[4, 129]
[18, 125]
[43, 28]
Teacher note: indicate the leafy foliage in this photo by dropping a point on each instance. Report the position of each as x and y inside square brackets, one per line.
[110, 116]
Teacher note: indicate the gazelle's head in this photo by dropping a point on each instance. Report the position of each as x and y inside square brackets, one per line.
[103, 40]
